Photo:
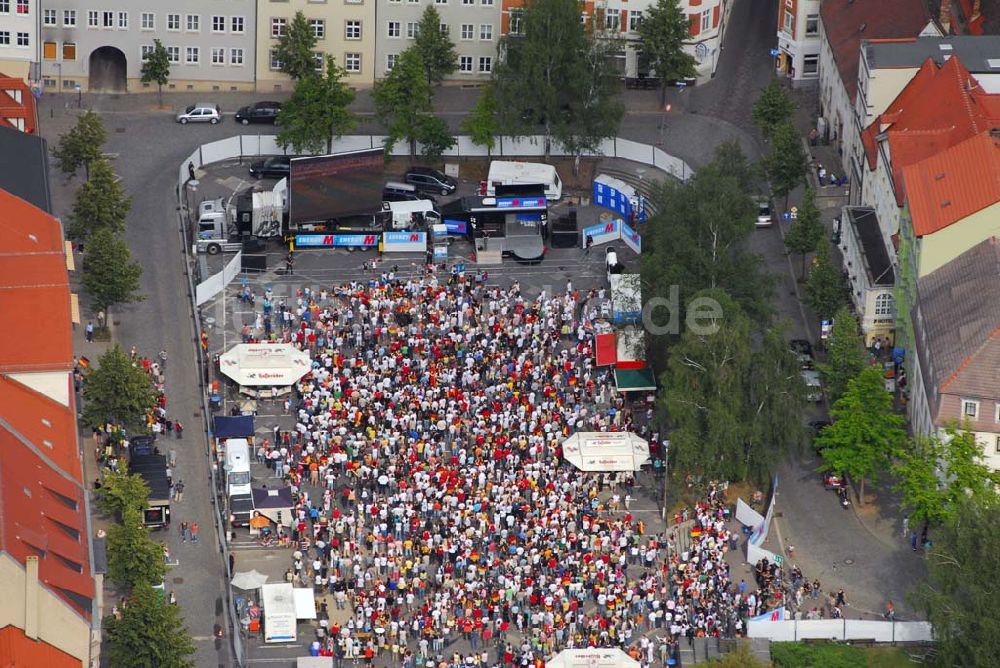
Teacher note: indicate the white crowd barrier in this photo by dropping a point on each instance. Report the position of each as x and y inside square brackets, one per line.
[791, 630]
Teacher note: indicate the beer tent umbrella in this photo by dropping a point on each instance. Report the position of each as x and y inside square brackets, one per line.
[249, 580]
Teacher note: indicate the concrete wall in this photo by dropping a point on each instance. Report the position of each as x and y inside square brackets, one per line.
[54, 621]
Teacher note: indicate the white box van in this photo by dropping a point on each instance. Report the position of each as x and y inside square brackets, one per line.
[237, 466]
[507, 173]
[403, 213]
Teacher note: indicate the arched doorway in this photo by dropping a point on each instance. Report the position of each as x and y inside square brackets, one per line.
[108, 70]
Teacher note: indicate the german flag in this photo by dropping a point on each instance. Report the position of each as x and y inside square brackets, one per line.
[84, 362]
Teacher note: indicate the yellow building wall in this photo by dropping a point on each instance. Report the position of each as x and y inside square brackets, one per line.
[945, 245]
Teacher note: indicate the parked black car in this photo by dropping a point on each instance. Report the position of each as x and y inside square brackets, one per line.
[427, 179]
[261, 112]
[277, 167]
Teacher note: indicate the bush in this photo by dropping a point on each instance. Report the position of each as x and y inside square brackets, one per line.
[816, 655]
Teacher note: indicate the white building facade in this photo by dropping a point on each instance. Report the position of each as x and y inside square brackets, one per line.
[19, 48]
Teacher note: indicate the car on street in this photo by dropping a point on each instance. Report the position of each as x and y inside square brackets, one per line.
[834, 481]
[814, 388]
[764, 216]
[261, 112]
[427, 179]
[803, 352]
[200, 112]
[277, 167]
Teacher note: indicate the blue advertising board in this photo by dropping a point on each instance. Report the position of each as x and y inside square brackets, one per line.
[456, 226]
[336, 240]
[521, 202]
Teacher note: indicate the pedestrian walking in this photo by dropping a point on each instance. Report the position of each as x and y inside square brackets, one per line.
[913, 541]
[289, 264]
[178, 428]
[179, 491]
[191, 176]
[589, 244]
[232, 563]
[184, 532]
[90, 331]
[906, 526]
[194, 532]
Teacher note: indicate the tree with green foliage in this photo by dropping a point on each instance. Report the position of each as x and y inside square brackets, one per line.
[156, 68]
[730, 161]
[120, 490]
[81, 145]
[806, 231]
[434, 45]
[663, 31]
[775, 398]
[481, 123]
[134, 558]
[865, 433]
[295, 49]
[101, 203]
[402, 105]
[150, 632]
[317, 112]
[786, 163]
[937, 472]
[846, 354]
[117, 391]
[959, 595]
[110, 275]
[434, 136]
[773, 107]
[826, 290]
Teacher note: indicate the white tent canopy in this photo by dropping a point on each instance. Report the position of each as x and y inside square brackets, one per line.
[305, 602]
[593, 657]
[603, 451]
[265, 364]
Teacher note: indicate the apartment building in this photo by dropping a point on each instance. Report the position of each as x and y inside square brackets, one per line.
[101, 48]
[798, 42]
[19, 38]
[344, 29]
[474, 27]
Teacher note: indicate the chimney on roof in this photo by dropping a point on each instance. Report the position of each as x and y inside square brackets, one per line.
[939, 176]
[31, 588]
[946, 203]
[944, 18]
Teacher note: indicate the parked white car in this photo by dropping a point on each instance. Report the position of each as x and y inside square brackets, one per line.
[200, 112]
[814, 388]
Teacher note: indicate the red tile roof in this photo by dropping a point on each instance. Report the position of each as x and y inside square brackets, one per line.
[953, 184]
[16, 650]
[32, 274]
[938, 109]
[847, 22]
[17, 105]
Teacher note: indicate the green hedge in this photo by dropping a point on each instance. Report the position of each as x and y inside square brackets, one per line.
[817, 655]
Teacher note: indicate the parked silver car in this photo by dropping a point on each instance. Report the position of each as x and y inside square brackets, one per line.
[200, 112]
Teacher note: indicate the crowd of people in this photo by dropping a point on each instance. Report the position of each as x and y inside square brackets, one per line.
[434, 505]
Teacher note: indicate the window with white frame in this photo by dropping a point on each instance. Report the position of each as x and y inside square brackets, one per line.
[237, 25]
[173, 21]
[393, 29]
[4, 38]
[318, 27]
[486, 3]
[69, 18]
[275, 63]
[192, 55]
[445, 30]
[516, 21]
[318, 61]
[5, 9]
[634, 19]
[612, 20]
[193, 22]
[812, 25]
[468, 31]
[278, 25]
[468, 3]
[787, 23]
[485, 64]
[145, 51]
[236, 56]
[93, 18]
[352, 29]
[998, 445]
[50, 17]
[970, 408]
[996, 413]
[218, 55]
[706, 20]
[486, 31]
[390, 61]
[23, 39]
[412, 29]
[147, 21]
[440, 2]
[810, 64]
[465, 64]
[413, 2]
[123, 20]
[885, 305]
[174, 54]
[218, 24]
[352, 62]
[107, 19]
[23, 6]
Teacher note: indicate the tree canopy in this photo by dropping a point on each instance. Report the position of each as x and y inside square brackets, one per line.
[317, 112]
[786, 163]
[109, 273]
[959, 595]
[133, 557]
[663, 31]
[295, 48]
[101, 203]
[121, 490]
[481, 123]
[117, 391]
[156, 68]
[81, 145]
[402, 105]
[806, 231]
[434, 45]
[865, 433]
[149, 633]
[773, 107]
[846, 354]
[826, 291]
